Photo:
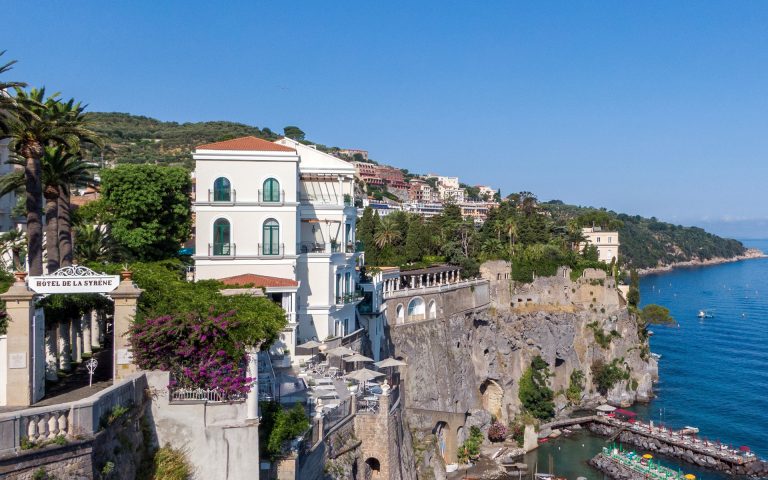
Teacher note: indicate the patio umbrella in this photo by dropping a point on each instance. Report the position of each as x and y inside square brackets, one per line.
[357, 358]
[312, 345]
[363, 375]
[340, 351]
[389, 363]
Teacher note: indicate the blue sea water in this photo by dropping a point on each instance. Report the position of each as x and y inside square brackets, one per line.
[713, 371]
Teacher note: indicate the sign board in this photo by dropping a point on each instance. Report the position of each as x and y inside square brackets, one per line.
[74, 279]
[124, 356]
[17, 360]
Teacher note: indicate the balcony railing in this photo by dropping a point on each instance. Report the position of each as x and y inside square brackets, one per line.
[354, 247]
[271, 250]
[232, 197]
[222, 249]
[311, 247]
[321, 199]
[348, 298]
[271, 200]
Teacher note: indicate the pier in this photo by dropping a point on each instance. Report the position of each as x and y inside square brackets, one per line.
[680, 444]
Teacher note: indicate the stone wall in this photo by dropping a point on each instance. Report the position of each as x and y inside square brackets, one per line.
[499, 275]
[114, 453]
[593, 290]
[449, 300]
[217, 438]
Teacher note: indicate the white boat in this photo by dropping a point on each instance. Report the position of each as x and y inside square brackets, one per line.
[702, 314]
[657, 356]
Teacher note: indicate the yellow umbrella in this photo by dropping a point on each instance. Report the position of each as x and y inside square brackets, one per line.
[690, 476]
[647, 456]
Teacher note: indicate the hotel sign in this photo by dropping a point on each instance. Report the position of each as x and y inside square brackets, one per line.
[74, 279]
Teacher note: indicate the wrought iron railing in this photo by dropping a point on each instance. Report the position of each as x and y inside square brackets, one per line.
[221, 249]
[271, 249]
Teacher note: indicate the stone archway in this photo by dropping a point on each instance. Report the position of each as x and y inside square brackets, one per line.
[442, 432]
[373, 466]
[492, 394]
[25, 374]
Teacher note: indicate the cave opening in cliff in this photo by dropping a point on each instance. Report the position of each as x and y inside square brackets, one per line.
[491, 395]
[559, 362]
[374, 465]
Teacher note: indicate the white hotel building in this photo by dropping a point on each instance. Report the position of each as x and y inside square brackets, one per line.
[280, 215]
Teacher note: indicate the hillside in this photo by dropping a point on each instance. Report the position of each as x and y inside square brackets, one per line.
[138, 139]
[647, 242]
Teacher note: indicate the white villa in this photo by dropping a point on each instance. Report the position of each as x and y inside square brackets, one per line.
[280, 215]
[607, 243]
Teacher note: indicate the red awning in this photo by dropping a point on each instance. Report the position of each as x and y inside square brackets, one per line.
[744, 448]
[625, 412]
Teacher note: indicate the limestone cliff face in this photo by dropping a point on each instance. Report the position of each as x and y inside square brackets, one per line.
[471, 363]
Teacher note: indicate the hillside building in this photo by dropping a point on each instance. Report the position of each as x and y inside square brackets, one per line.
[280, 215]
[607, 242]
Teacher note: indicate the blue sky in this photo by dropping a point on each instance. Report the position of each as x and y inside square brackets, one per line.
[654, 108]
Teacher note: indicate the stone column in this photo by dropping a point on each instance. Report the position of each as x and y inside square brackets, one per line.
[77, 340]
[125, 296]
[51, 355]
[20, 307]
[252, 401]
[85, 327]
[95, 330]
[65, 348]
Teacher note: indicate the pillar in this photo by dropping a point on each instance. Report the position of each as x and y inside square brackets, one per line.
[125, 296]
[102, 320]
[19, 305]
[77, 340]
[51, 354]
[65, 348]
[252, 401]
[95, 330]
[85, 327]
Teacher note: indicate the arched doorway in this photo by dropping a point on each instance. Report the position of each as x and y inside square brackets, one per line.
[441, 432]
[432, 310]
[416, 310]
[491, 394]
[374, 467]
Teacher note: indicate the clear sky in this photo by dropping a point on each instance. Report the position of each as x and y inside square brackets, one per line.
[654, 108]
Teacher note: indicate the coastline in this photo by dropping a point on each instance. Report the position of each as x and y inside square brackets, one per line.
[749, 254]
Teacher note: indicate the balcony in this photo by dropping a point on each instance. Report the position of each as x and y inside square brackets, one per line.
[354, 247]
[348, 298]
[312, 199]
[270, 250]
[222, 250]
[318, 247]
[231, 200]
[280, 200]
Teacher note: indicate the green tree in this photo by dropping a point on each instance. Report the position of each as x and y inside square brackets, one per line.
[633, 294]
[294, 132]
[43, 121]
[656, 315]
[8, 107]
[575, 387]
[388, 234]
[148, 208]
[590, 253]
[534, 392]
[605, 376]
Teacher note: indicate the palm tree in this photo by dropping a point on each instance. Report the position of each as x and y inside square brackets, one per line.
[61, 170]
[387, 234]
[510, 228]
[12, 242]
[43, 122]
[95, 244]
[7, 103]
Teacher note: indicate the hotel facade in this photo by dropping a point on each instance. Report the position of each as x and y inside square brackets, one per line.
[280, 216]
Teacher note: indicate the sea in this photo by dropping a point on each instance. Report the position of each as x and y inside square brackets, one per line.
[713, 371]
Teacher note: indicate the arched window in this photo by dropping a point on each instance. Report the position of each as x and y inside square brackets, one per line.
[416, 310]
[270, 236]
[271, 192]
[222, 237]
[432, 310]
[222, 190]
[400, 314]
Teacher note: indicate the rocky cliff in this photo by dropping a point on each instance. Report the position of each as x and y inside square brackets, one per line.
[469, 365]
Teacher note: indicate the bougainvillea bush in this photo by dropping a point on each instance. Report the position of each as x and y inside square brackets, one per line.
[200, 352]
[497, 432]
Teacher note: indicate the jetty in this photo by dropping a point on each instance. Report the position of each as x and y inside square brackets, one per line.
[681, 444]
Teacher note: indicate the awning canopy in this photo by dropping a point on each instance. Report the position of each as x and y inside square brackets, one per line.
[310, 344]
[605, 408]
[340, 351]
[357, 358]
[363, 375]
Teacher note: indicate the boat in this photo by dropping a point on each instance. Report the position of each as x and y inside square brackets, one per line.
[704, 314]
[656, 356]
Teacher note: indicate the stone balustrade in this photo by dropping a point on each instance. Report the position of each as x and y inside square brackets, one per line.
[81, 417]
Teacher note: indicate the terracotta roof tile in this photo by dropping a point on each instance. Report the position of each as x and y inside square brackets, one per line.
[246, 143]
[258, 281]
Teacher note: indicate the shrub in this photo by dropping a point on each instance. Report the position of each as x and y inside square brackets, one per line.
[534, 393]
[470, 449]
[279, 426]
[171, 464]
[575, 387]
[607, 375]
[497, 432]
